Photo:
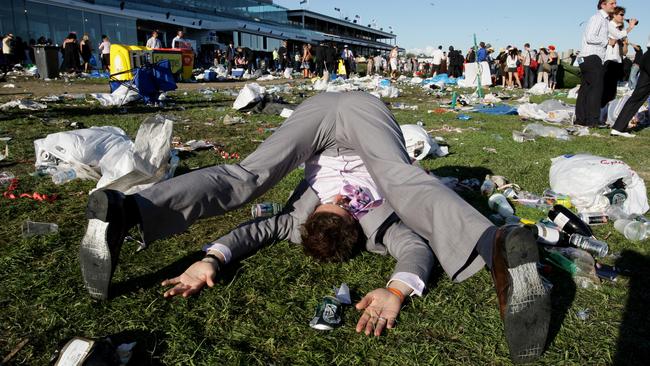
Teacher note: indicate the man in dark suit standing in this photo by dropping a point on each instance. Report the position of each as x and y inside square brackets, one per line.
[282, 51]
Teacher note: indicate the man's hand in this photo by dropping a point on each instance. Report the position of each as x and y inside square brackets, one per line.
[381, 309]
[192, 280]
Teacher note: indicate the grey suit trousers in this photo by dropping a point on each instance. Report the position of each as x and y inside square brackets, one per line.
[353, 123]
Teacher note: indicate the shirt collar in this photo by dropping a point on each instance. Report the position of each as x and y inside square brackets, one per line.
[604, 14]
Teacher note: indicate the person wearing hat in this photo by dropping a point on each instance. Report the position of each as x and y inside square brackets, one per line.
[636, 100]
[553, 60]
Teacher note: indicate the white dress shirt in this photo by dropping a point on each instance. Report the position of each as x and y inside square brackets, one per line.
[613, 53]
[595, 37]
[326, 175]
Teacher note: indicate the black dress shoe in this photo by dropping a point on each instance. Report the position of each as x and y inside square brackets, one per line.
[524, 302]
[100, 246]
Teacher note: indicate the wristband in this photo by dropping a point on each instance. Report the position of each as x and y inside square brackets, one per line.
[212, 259]
[397, 293]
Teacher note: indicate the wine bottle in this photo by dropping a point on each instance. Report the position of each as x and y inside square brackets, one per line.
[568, 222]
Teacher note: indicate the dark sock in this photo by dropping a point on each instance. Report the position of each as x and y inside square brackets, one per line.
[132, 212]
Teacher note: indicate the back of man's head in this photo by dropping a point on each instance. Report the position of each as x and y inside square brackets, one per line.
[439, 47]
[329, 237]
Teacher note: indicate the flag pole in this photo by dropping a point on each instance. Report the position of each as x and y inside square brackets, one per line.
[479, 90]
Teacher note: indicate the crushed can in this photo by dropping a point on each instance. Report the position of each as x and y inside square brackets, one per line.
[327, 315]
[265, 209]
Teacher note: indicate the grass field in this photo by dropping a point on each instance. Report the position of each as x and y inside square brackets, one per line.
[260, 309]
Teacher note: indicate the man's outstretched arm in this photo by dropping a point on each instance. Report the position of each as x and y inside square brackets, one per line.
[415, 261]
[244, 240]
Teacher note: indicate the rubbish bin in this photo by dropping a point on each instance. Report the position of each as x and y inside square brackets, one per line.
[47, 61]
[126, 57]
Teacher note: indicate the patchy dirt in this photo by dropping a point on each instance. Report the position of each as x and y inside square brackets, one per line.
[28, 87]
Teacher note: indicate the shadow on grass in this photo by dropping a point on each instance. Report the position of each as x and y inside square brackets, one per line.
[562, 296]
[172, 270]
[633, 346]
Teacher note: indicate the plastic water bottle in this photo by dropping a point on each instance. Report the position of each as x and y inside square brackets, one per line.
[594, 218]
[6, 178]
[488, 187]
[632, 229]
[500, 204]
[63, 176]
[589, 244]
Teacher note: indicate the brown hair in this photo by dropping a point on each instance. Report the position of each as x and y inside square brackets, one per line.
[329, 237]
[600, 3]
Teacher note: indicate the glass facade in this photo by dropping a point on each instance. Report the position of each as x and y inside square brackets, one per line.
[255, 42]
[31, 20]
[247, 9]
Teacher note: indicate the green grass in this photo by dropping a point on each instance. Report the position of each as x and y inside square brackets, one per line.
[260, 309]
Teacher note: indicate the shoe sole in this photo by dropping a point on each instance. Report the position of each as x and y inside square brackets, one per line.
[95, 259]
[528, 307]
[97, 207]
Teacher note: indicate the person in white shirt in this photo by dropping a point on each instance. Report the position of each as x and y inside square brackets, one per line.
[511, 67]
[154, 41]
[437, 60]
[393, 63]
[179, 41]
[105, 49]
[592, 55]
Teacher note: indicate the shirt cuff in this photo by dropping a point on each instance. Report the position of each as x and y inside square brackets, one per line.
[224, 250]
[411, 280]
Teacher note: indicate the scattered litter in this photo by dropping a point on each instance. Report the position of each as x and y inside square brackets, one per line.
[9, 86]
[228, 120]
[23, 104]
[537, 129]
[464, 117]
[419, 143]
[573, 93]
[540, 89]
[490, 150]
[549, 110]
[10, 193]
[595, 182]
[249, 94]
[192, 145]
[519, 136]
[6, 178]
[583, 314]
[32, 228]
[108, 155]
[121, 96]
[286, 112]
[497, 110]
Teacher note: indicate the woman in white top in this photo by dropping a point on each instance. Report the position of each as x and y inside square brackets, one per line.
[511, 65]
[614, 54]
[105, 49]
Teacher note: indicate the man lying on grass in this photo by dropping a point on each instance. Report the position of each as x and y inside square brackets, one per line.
[353, 125]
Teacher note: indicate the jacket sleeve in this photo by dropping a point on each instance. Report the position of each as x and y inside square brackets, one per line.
[249, 237]
[411, 251]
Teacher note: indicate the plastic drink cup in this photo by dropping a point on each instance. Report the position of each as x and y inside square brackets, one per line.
[31, 228]
[500, 204]
[454, 99]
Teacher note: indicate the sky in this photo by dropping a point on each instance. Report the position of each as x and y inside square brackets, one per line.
[421, 26]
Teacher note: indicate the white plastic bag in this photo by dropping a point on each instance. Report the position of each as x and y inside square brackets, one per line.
[537, 129]
[540, 89]
[585, 178]
[573, 93]
[287, 73]
[108, 155]
[250, 93]
[613, 109]
[419, 144]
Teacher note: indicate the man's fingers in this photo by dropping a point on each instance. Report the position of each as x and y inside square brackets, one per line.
[363, 303]
[171, 281]
[370, 326]
[381, 323]
[362, 321]
[209, 281]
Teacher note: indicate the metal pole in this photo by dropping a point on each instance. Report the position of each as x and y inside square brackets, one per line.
[479, 90]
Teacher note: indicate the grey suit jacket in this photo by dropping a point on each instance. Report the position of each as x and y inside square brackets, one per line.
[385, 233]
